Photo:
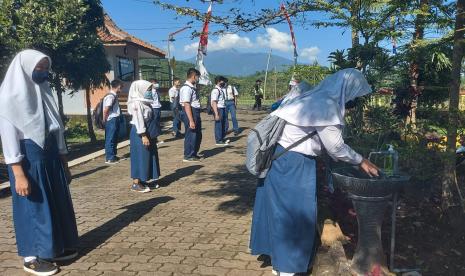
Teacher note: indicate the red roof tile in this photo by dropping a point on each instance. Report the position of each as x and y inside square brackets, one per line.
[111, 33]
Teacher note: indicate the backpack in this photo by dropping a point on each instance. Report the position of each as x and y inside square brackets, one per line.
[262, 142]
[97, 115]
[209, 106]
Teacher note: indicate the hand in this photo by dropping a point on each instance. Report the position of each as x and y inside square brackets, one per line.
[145, 141]
[22, 185]
[192, 125]
[369, 168]
[217, 117]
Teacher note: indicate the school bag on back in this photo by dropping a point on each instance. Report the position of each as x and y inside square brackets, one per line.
[97, 115]
[262, 142]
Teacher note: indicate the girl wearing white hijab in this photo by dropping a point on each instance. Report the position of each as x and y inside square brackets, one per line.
[144, 152]
[34, 148]
[284, 217]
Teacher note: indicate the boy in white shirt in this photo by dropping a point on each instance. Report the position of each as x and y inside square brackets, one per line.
[111, 117]
[189, 99]
[173, 93]
[219, 111]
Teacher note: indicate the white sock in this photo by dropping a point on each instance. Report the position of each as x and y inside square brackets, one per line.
[29, 259]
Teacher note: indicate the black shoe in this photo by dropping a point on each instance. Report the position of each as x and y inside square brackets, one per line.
[40, 267]
[69, 254]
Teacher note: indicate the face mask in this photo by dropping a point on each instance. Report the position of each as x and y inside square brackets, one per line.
[39, 76]
[148, 95]
[222, 84]
[156, 86]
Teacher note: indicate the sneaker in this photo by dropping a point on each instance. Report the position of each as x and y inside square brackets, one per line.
[191, 159]
[140, 188]
[236, 133]
[40, 267]
[227, 141]
[112, 162]
[221, 144]
[67, 255]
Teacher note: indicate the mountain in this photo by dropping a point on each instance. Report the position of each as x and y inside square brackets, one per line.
[234, 63]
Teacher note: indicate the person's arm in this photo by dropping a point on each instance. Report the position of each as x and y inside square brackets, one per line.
[236, 95]
[331, 138]
[106, 113]
[214, 105]
[190, 117]
[14, 157]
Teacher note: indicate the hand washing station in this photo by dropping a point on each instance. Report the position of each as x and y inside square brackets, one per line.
[370, 197]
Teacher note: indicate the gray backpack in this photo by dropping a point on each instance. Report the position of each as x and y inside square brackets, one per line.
[262, 142]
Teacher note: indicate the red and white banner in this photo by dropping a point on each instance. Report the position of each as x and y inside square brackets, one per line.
[202, 51]
[283, 9]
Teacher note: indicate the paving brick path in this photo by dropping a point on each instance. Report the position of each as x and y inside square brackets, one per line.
[197, 223]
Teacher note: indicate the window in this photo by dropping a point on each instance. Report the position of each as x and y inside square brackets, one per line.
[126, 69]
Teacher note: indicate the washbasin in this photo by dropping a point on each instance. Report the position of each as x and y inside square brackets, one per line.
[358, 183]
[370, 198]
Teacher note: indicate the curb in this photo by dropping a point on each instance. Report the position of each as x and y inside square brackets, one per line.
[78, 161]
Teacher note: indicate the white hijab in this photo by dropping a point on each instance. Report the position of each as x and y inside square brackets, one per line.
[324, 105]
[137, 104]
[29, 106]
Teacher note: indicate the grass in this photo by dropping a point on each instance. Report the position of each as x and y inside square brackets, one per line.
[76, 132]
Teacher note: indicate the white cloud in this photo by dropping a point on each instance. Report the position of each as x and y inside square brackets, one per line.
[226, 41]
[310, 54]
[276, 40]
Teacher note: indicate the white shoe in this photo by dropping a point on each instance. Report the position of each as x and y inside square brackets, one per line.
[274, 272]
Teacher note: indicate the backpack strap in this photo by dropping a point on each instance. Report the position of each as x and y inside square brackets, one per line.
[114, 100]
[295, 144]
[192, 88]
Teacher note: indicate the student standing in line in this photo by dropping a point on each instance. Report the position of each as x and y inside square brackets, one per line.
[155, 126]
[173, 93]
[144, 153]
[258, 93]
[231, 105]
[219, 112]
[111, 118]
[285, 214]
[35, 150]
[189, 99]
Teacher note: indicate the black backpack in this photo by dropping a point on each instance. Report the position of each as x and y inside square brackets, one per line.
[97, 115]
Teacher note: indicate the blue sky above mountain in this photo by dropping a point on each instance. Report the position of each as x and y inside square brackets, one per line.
[149, 22]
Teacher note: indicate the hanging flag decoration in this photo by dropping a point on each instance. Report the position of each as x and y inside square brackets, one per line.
[283, 9]
[202, 51]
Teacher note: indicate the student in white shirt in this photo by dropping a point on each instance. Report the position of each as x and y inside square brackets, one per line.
[35, 151]
[189, 99]
[155, 126]
[173, 93]
[111, 118]
[231, 106]
[285, 213]
[217, 98]
[144, 153]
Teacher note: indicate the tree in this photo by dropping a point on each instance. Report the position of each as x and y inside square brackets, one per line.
[66, 31]
[450, 178]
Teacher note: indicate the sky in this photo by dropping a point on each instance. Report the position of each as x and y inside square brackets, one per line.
[149, 22]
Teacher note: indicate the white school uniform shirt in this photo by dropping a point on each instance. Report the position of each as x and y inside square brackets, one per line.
[217, 95]
[329, 138]
[173, 93]
[156, 99]
[109, 101]
[11, 137]
[188, 94]
[231, 93]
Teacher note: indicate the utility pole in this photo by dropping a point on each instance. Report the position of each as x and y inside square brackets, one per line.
[171, 39]
[266, 74]
[275, 81]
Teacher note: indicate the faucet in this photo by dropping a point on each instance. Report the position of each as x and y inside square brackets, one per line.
[390, 160]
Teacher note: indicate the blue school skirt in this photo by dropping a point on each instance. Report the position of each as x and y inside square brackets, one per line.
[45, 224]
[285, 213]
[144, 161]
